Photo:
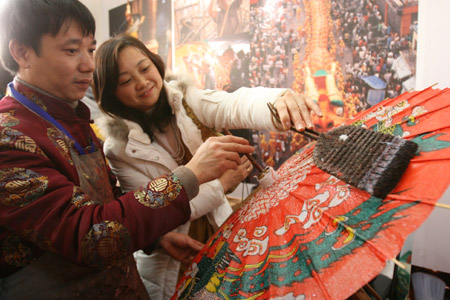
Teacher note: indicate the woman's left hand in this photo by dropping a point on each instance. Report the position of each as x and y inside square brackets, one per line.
[231, 178]
[180, 246]
[296, 109]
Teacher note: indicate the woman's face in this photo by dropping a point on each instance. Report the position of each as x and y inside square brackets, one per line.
[139, 83]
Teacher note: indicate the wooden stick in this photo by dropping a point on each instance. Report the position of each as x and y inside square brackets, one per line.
[250, 158]
[372, 291]
[398, 263]
[442, 205]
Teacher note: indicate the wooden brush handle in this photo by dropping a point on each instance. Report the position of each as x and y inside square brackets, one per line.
[250, 158]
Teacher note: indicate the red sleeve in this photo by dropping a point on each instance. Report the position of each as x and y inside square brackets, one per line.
[40, 203]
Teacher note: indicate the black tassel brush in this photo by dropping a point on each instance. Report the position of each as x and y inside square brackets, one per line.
[369, 160]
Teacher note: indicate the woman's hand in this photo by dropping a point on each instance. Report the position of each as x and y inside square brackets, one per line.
[180, 246]
[217, 155]
[296, 109]
[231, 178]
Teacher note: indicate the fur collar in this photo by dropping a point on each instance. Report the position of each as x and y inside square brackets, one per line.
[113, 127]
[179, 80]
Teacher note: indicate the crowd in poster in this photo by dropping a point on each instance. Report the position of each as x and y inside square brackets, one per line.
[344, 54]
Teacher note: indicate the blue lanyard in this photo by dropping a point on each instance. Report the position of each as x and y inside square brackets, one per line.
[38, 110]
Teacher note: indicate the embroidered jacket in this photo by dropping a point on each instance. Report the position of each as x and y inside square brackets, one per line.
[43, 208]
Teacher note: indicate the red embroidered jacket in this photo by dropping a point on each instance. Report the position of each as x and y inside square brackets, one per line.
[42, 207]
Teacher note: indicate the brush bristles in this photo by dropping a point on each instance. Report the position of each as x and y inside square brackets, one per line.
[369, 160]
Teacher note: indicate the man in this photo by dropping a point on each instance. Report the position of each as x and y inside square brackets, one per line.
[64, 231]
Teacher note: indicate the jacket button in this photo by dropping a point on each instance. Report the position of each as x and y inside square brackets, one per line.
[133, 151]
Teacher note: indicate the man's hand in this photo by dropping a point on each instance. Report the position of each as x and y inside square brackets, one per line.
[180, 246]
[217, 155]
[296, 109]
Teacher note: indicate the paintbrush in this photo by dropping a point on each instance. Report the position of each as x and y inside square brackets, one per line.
[369, 160]
[250, 158]
[266, 175]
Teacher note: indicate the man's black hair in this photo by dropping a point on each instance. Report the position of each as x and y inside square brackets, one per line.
[28, 20]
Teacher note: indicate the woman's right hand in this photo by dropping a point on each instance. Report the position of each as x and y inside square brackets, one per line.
[217, 155]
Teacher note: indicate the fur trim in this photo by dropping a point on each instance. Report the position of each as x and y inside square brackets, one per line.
[182, 80]
[115, 128]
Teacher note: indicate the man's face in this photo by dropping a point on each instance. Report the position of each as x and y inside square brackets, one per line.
[64, 65]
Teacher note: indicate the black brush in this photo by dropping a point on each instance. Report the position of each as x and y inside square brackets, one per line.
[369, 160]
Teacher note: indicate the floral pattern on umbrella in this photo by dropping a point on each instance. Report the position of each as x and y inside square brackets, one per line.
[310, 235]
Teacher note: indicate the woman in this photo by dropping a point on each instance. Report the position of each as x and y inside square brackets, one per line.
[159, 121]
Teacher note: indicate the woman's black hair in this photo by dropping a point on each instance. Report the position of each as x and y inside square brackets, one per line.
[106, 78]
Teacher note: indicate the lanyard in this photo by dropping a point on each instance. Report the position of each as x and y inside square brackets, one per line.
[38, 110]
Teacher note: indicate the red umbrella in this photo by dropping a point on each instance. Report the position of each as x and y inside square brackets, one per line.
[310, 235]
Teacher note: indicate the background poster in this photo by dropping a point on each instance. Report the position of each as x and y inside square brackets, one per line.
[345, 54]
[148, 20]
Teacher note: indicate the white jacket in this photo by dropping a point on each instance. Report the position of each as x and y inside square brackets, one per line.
[135, 159]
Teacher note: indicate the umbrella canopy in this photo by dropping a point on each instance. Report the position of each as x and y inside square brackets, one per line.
[310, 235]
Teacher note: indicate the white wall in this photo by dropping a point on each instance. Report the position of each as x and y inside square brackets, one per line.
[433, 47]
[100, 10]
[431, 242]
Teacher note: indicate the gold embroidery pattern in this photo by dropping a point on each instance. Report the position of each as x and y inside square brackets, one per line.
[16, 140]
[58, 139]
[7, 119]
[79, 198]
[159, 192]
[20, 187]
[105, 241]
[15, 252]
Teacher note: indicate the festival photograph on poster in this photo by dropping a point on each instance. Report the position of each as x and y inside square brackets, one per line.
[346, 55]
[209, 37]
[148, 20]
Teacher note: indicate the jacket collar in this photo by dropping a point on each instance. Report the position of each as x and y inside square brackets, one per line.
[57, 108]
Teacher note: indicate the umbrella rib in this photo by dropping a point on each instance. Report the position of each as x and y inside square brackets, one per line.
[433, 96]
[416, 104]
[387, 102]
[419, 160]
[381, 255]
[348, 228]
[428, 201]
[316, 276]
[427, 112]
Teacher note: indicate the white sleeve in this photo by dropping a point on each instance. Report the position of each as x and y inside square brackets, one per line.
[244, 108]
[127, 169]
